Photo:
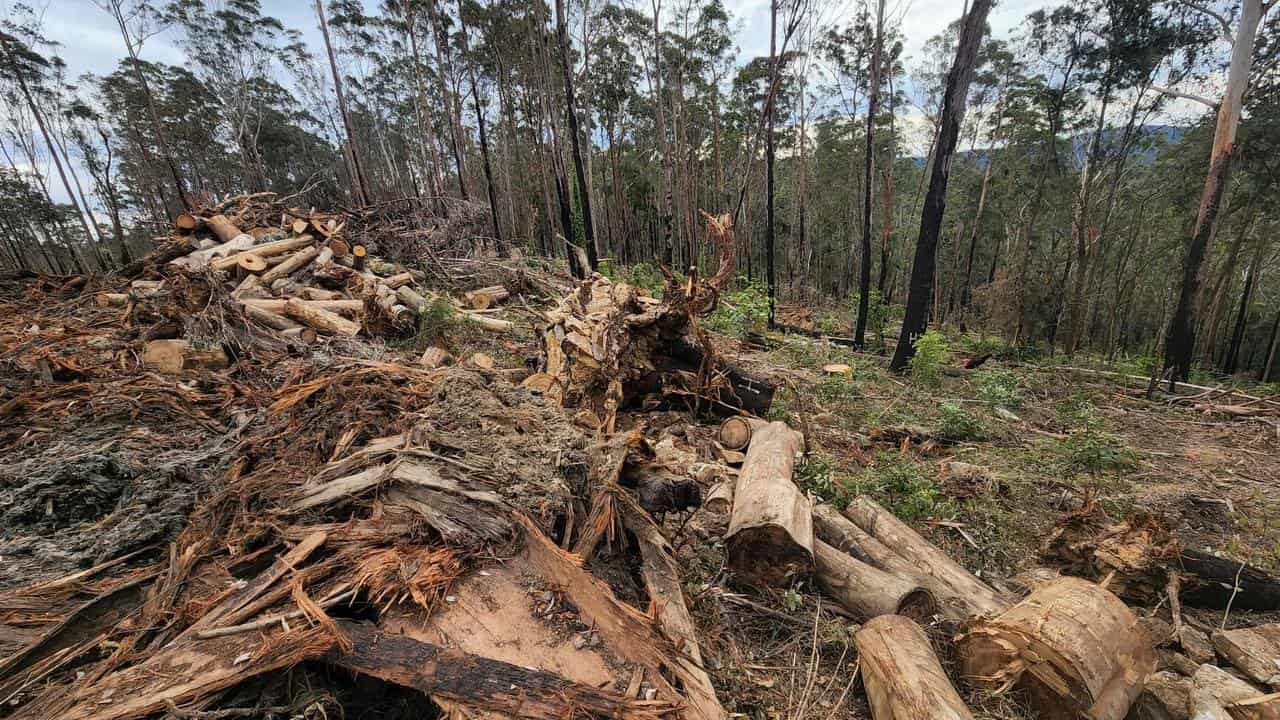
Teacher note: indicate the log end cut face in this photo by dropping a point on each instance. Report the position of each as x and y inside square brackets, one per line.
[767, 556]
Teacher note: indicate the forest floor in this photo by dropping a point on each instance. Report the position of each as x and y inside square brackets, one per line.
[1048, 440]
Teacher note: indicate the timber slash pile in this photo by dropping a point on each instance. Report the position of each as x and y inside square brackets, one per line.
[226, 490]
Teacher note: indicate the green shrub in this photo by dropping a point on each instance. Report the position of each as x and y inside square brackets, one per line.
[1077, 411]
[926, 363]
[877, 313]
[998, 388]
[956, 424]
[1089, 449]
[817, 474]
[743, 310]
[436, 324]
[835, 388]
[908, 493]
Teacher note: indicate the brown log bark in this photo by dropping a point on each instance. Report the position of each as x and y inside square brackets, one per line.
[866, 591]
[1074, 647]
[250, 265]
[322, 320]
[433, 357]
[1213, 690]
[294, 263]
[1263, 707]
[770, 536]
[934, 568]
[399, 279]
[175, 356]
[222, 227]
[1255, 651]
[277, 305]
[902, 676]
[486, 297]
[735, 431]
[358, 255]
[272, 320]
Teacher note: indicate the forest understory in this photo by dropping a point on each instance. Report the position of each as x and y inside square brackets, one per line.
[248, 477]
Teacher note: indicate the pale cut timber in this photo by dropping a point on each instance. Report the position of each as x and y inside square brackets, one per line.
[186, 222]
[770, 535]
[486, 297]
[720, 498]
[296, 262]
[395, 281]
[265, 250]
[322, 320]
[487, 323]
[175, 356]
[411, 298]
[339, 247]
[111, 299]
[223, 228]
[840, 532]
[868, 592]
[251, 264]
[272, 320]
[299, 226]
[901, 674]
[358, 255]
[338, 306]
[1072, 645]
[325, 257]
[433, 357]
[921, 554]
[312, 293]
[1254, 651]
[205, 255]
[735, 431]
[1213, 690]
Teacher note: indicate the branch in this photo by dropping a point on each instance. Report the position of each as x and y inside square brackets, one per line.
[1186, 96]
[1226, 26]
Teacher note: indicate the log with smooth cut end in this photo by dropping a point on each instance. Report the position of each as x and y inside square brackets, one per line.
[339, 247]
[881, 524]
[186, 222]
[433, 357]
[358, 255]
[250, 264]
[223, 228]
[294, 263]
[868, 592]
[1075, 647]
[486, 297]
[735, 432]
[901, 674]
[347, 306]
[322, 320]
[395, 281]
[175, 356]
[299, 226]
[770, 536]
[264, 251]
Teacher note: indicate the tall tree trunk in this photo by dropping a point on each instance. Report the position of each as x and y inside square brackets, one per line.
[916, 318]
[584, 194]
[1242, 315]
[1180, 346]
[768, 158]
[664, 189]
[426, 129]
[873, 98]
[886, 225]
[484, 141]
[1269, 364]
[359, 181]
[452, 102]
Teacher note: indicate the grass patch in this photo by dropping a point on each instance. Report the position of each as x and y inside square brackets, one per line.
[957, 425]
[998, 388]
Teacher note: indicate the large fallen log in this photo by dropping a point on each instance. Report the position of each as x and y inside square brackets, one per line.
[934, 568]
[264, 250]
[295, 262]
[480, 683]
[175, 356]
[902, 676]
[1074, 647]
[770, 535]
[868, 592]
[321, 320]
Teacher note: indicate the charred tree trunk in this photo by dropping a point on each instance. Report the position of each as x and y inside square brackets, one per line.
[873, 99]
[1232, 359]
[584, 194]
[1181, 343]
[923, 269]
[769, 229]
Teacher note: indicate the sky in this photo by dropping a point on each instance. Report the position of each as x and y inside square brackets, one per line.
[90, 41]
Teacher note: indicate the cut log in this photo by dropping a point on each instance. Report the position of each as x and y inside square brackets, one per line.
[1166, 696]
[277, 305]
[322, 320]
[250, 264]
[296, 262]
[1074, 647]
[325, 257]
[486, 297]
[1214, 689]
[272, 320]
[770, 536]
[868, 592]
[339, 247]
[412, 299]
[735, 432]
[924, 557]
[395, 281]
[305, 335]
[175, 356]
[1254, 651]
[720, 498]
[299, 226]
[265, 250]
[433, 357]
[358, 255]
[202, 257]
[249, 287]
[487, 323]
[1216, 581]
[902, 676]
[223, 228]
[186, 223]
[111, 299]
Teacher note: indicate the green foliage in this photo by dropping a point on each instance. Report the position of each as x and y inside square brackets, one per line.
[792, 600]
[743, 310]
[926, 364]
[835, 389]
[1090, 449]
[877, 313]
[998, 387]
[436, 324]
[817, 474]
[956, 424]
[903, 488]
[1076, 411]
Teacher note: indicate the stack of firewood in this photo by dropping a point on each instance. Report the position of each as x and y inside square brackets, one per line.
[299, 277]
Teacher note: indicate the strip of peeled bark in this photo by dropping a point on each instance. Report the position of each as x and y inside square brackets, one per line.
[770, 534]
[903, 678]
[868, 592]
[949, 580]
[1074, 647]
